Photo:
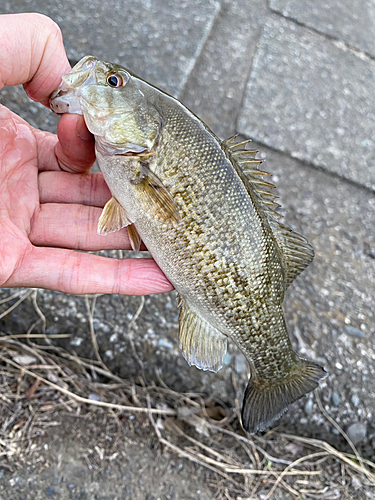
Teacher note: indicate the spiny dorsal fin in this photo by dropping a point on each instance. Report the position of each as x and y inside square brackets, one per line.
[201, 344]
[296, 250]
[246, 165]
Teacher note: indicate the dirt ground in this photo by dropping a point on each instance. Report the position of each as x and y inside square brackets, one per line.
[88, 457]
[70, 428]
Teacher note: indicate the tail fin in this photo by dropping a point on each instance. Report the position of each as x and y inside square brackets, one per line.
[265, 401]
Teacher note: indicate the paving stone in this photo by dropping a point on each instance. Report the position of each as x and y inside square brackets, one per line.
[351, 21]
[310, 98]
[159, 40]
[217, 83]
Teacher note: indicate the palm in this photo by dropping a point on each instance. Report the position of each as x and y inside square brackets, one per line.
[46, 213]
[19, 191]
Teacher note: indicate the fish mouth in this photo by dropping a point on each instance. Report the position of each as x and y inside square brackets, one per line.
[65, 100]
[56, 103]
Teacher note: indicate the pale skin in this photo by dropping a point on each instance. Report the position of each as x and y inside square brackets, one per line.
[49, 202]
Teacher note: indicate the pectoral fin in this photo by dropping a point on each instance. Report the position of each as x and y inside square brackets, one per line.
[113, 217]
[155, 197]
[201, 344]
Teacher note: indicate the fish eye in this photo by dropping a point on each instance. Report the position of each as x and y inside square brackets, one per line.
[116, 80]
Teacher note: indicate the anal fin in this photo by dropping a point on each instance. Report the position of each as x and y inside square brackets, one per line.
[113, 217]
[202, 345]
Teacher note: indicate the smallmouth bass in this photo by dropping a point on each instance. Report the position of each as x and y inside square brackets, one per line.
[207, 215]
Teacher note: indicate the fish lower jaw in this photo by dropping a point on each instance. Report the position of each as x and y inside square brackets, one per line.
[63, 101]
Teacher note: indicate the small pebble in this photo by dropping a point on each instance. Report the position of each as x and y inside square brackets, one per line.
[50, 492]
[309, 406]
[357, 432]
[335, 398]
[77, 341]
[355, 400]
[164, 343]
[227, 359]
[109, 354]
[241, 364]
[354, 332]
[95, 397]
[356, 483]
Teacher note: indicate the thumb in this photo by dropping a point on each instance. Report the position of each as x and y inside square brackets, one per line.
[75, 148]
[35, 59]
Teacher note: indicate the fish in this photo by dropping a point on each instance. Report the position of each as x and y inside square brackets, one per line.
[207, 214]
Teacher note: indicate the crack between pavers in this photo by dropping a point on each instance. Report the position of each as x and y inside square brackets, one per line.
[200, 50]
[243, 97]
[355, 50]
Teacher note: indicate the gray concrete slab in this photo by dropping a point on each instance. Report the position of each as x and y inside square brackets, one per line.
[313, 99]
[158, 40]
[352, 21]
[215, 88]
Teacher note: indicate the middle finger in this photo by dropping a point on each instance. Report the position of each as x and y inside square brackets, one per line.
[75, 227]
[64, 187]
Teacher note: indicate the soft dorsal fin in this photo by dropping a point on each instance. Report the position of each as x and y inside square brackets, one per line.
[296, 250]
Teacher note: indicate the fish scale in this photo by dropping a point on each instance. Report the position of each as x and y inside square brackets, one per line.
[205, 213]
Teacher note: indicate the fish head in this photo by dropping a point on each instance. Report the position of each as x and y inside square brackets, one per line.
[112, 103]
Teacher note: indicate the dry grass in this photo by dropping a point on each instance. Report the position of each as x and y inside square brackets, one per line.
[38, 379]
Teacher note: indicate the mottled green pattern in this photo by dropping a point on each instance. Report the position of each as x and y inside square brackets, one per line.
[222, 256]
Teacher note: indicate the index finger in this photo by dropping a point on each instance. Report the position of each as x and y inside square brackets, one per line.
[37, 59]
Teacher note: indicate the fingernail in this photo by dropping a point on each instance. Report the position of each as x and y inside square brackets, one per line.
[82, 131]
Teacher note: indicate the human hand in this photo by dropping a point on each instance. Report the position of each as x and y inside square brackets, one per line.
[49, 203]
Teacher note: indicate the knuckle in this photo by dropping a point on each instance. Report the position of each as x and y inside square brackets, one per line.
[47, 23]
